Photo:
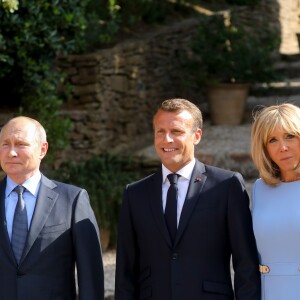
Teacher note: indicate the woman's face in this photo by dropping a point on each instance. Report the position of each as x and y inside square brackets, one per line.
[284, 150]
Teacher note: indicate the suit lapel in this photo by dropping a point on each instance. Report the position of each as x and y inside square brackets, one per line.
[44, 204]
[4, 238]
[196, 184]
[155, 198]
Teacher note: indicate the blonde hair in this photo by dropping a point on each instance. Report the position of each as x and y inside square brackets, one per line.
[285, 116]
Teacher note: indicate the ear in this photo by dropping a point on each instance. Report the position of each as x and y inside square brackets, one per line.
[197, 136]
[44, 148]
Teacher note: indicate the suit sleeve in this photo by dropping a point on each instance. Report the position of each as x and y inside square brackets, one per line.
[243, 245]
[127, 255]
[88, 254]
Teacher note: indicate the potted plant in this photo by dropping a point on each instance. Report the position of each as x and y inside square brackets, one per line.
[226, 58]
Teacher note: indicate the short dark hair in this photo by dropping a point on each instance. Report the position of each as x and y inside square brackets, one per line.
[178, 105]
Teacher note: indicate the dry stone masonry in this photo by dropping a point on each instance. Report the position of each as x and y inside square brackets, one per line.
[116, 90]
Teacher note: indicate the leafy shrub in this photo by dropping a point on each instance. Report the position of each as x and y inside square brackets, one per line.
[148, 11]
[226, 53]
[30, 39]
[108, 20]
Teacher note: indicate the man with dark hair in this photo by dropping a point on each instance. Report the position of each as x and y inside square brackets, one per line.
[180, 226]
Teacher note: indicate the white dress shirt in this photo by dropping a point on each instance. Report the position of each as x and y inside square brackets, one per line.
[183, 185]
[32, 186]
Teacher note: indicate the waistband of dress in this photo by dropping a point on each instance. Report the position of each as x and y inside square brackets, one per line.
[280, 268]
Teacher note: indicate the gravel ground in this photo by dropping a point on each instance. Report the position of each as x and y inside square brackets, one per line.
[109, 261]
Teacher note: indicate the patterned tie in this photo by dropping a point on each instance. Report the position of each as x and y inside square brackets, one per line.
[20, 225]
[171, 206]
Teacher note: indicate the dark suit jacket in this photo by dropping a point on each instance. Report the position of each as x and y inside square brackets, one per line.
[63, 231]
[215, 223]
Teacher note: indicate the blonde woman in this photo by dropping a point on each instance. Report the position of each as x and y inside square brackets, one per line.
[275, 146]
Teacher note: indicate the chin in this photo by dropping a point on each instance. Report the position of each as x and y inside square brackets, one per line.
[172, 166]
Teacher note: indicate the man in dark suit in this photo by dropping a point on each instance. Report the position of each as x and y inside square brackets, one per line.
[212, 216]
[46, 227]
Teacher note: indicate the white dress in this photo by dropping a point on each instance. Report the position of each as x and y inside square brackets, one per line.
[276, 223]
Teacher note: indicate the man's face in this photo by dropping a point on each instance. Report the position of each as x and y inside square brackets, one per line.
[20, 153]
[174, 138]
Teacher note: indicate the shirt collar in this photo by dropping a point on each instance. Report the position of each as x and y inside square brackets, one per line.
[32, 184]
[185, 172]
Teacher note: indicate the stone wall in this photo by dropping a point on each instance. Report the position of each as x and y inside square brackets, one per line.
[116, 90]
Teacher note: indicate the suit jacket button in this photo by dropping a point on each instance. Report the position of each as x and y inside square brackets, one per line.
[20, 273]
[174, 256]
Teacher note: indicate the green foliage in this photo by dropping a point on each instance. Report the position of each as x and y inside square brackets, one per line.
[45, 105]
[226, 53]
[104, 177]
[103, 22]
[109, 19]
[30, 40]
[149, 11]
[33, 33]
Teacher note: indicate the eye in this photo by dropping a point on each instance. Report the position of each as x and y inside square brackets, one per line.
[159, 131]
[272, 140]
[290, 136]
[177, 132]
[22, 144]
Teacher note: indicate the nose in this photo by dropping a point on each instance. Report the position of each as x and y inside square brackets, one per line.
[12, 152]
[283, 146]
[168, 138]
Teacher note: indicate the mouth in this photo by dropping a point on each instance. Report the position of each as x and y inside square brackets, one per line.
[169, 149]
[285, 158]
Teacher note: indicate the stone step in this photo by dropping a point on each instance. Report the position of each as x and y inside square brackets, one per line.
[279, 92]
[288, 69]
[287, 87]
[290, 57]
[255, 103]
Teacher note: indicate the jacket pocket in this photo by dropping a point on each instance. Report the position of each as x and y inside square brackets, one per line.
[217, 288]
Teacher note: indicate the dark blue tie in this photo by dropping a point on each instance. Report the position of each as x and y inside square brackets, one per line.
[20, 225]
[171, 206]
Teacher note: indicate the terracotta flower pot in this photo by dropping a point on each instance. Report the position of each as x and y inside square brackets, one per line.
[227, 103]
